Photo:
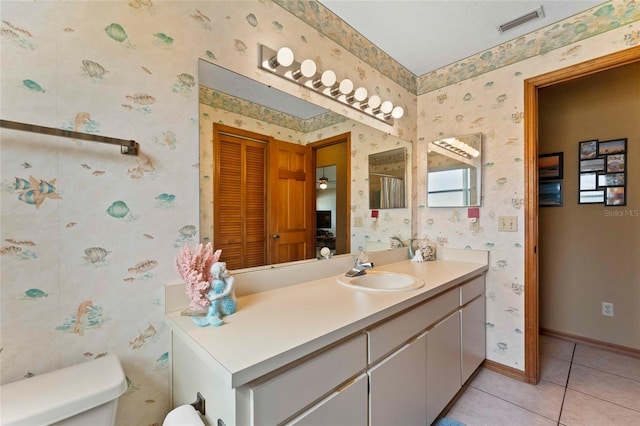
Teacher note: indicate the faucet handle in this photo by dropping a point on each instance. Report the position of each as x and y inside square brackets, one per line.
[363, 257]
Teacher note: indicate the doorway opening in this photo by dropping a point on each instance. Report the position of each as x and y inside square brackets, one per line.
[331, 159]
[531, 87]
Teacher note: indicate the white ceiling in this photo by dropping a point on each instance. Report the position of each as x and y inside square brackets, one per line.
[424, 35]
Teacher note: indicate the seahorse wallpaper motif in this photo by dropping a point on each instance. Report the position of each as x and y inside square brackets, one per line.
[85, 257]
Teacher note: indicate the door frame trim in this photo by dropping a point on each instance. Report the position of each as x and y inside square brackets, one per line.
[531, 87]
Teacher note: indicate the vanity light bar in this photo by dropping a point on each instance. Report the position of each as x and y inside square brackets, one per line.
[283, 64]
[457, 146]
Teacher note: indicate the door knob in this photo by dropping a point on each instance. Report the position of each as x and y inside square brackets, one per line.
[276, 236]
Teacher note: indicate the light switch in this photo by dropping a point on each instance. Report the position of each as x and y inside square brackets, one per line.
[507, 223]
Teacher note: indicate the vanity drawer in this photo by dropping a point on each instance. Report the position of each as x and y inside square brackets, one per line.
[279, 398]
[471, 290]
[391, 334]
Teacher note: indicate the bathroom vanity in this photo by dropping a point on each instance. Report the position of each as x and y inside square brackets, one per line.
[317, 352]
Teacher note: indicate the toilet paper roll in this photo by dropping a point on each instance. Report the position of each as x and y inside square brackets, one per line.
[184, 415]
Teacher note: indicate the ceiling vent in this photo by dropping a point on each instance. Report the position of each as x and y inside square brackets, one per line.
[535, 14]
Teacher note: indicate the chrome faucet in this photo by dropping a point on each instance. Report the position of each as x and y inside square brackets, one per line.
[359, 268]
[396, 242]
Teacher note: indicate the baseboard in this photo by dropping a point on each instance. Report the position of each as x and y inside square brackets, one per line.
[505, 370]
[611, 347]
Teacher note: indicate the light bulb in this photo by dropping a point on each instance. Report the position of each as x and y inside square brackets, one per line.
[323, 182]
[327, 79]
[307, 69]
[373, 102]
[386, 107]
[359, 95]
[398, 112]
[344, 88]
[284, 58]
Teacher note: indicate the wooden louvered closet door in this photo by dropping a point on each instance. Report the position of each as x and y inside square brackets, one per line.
[239, 200]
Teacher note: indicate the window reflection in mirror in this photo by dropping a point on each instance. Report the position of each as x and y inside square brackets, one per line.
[387, 183]
[454, 171]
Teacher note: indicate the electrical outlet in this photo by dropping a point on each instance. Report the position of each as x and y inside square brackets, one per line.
[607, 309]
[507, 223]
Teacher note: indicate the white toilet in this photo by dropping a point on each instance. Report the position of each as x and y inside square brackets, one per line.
[80, 395]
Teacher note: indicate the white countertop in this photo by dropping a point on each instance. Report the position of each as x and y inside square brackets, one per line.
[273, 328]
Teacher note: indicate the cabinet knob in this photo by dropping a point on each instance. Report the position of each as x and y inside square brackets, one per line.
[275, 236]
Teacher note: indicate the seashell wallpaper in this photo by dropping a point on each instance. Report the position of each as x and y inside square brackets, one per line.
[89, 236]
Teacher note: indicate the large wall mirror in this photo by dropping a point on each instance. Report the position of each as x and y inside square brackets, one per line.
[230, 99]
[387, 179]
[454, 171]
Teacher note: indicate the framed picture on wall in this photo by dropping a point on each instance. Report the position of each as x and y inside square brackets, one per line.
[550, 166]
[591, 197]
[615, 196]
[615, 163]
[617, 146]
[595, 165]
[588, 149]
[550, 194]
[612, 179]
[588, 181]
[602, 172]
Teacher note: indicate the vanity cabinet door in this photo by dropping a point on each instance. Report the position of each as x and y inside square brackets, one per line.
[347, 406]
[281, 397]
[443, 365]
[384, 338]
[397, 391]
[473, 336]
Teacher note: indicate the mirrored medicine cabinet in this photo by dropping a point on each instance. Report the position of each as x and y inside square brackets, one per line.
[454, 171]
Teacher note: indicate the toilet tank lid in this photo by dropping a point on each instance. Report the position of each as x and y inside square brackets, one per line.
[57, 395]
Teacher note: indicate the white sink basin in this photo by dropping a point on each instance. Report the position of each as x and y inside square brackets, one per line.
[381, 281]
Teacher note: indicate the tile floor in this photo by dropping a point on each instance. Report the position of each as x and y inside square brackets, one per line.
[580, 385]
